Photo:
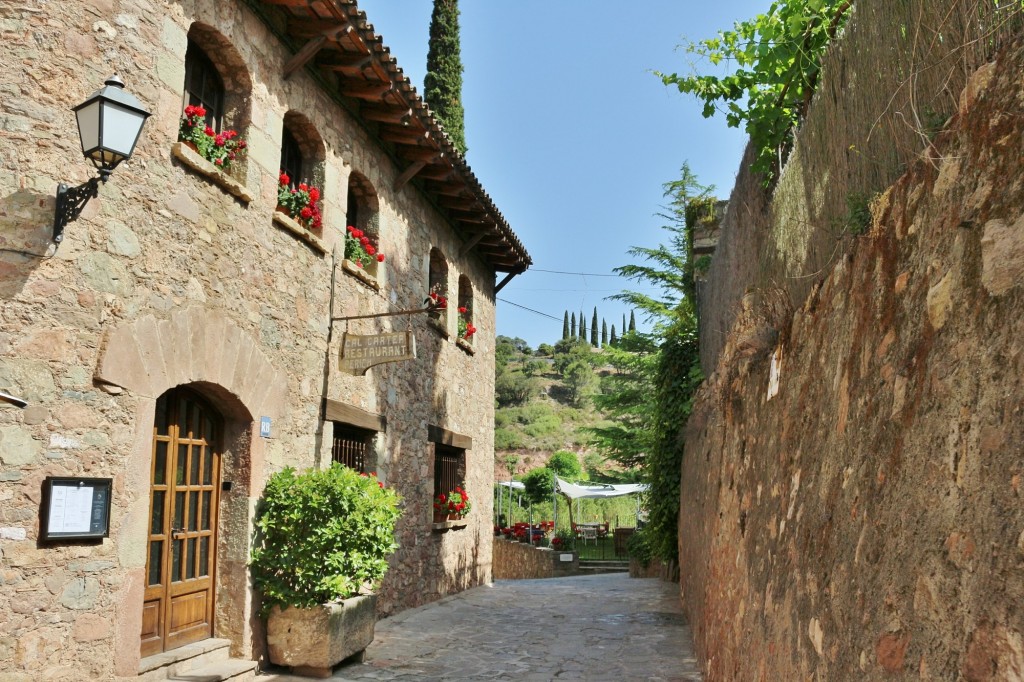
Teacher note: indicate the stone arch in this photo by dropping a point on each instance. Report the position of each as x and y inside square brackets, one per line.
[363, 211]
[311, 144]
[203, 350]
[149, 356]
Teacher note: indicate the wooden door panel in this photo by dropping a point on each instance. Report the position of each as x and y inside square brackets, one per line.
[184, 490]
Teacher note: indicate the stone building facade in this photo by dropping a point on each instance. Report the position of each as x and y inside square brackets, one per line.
[181, 313]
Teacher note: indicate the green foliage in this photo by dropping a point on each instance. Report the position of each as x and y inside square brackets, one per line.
[566, 465]
[580, 381]
[541, 427]
[702, 264]
[777, 56]
[539, 485]
[513, 388]
[442, 85]
[640, 546]
[532, 368]
[572, 328]
[507, 439]
[322, 535]
[545, 350]
[858, 213]
[564, 540]
[593, 329]
[565, 326]
[572, 350]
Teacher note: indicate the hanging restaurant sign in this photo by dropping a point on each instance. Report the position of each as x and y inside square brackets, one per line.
[360, 352]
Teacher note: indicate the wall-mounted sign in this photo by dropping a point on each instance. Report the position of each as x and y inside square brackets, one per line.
[361, 352]
[264, 427]
[75, 508]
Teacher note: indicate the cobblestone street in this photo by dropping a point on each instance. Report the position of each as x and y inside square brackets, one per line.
[603, 627]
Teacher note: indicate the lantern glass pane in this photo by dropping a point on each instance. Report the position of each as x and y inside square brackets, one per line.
[89, 126]
[121, 128]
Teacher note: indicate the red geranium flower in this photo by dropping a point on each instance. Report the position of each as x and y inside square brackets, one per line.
[370, 250]
[306, 213]
[314, 194]
[380, 257]
[303, 187]
[283, 179]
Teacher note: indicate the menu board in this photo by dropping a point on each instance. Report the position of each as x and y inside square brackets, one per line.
[75, 508]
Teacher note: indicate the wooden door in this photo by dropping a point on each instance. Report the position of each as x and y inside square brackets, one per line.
[182, 545]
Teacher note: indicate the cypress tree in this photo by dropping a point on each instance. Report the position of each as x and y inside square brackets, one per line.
[593, 329]
[572, 326]
[565, 326]
[604, 332]
[583, 327]
[623, 327]
[614, 340]
[442, 86]
[632, 322]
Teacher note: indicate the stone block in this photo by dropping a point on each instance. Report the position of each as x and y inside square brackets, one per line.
[17, 446]
[318, 638]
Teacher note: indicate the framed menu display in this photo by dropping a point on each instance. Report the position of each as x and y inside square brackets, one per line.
[75, 508]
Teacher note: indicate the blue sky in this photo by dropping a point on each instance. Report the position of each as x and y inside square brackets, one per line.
[571, 134]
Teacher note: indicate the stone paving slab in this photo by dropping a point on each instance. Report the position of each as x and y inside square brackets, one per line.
[601, 627]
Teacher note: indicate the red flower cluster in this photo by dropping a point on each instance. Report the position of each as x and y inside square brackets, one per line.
[455, 502]
[360, 249]
[299, 202]
[372, 474]
[218, 148]
[439, 301]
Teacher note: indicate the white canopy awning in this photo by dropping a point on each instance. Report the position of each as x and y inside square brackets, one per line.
[593, 492]
[515, 485]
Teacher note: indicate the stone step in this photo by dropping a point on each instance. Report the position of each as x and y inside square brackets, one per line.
[232, 669]
[165, 666]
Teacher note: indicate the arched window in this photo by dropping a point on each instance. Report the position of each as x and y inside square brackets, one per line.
[362, 213]
[204, 86]
[465, 310]
[291, 155]
[302, 165]
[437, 281]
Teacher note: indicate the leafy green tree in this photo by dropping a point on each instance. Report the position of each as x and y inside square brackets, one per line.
[546, 349]
[565, 325]
[532, 368]
[580, 381]
[539, 484]
[778, 57]
[442, 86]
[513, 388]
[570, 351]
[593, 328]
[566, 465]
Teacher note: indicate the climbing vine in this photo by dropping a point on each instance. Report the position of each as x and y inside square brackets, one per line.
[778, 57]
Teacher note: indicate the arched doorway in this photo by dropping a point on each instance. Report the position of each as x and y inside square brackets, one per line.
[179, 599]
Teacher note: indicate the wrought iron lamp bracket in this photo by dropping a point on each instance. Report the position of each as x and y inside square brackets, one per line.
[71, 201]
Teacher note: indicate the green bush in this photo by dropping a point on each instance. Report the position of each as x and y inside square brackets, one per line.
[323, 535]
[505, 439]
[566, 540]
[639, 547]
[543, 426]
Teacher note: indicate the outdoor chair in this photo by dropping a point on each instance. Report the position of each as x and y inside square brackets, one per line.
[589, 533]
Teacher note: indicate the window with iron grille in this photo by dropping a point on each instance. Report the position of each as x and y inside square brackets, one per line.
[203, 85]
[449, 468]
[352, 446]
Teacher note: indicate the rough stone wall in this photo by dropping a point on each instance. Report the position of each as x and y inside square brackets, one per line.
[165, 259]
[520, 561]
[886, 87]
[867, 521]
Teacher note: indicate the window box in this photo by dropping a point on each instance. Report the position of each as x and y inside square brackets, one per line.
[361, 274]
[465, 345]
[288, 224]
[207, 170]
[443, 526]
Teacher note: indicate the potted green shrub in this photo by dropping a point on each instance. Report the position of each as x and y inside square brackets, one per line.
[322, 543]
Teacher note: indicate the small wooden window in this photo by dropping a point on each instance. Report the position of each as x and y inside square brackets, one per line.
[291, 157]
[351, 446]
[449, 468]
[352, 217]
[204, 86]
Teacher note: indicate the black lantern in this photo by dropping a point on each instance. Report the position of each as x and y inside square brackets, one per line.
[109, 124]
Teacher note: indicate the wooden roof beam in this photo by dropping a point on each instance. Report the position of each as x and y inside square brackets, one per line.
[346, 62]
[408, 174]
[314, 45]
[385, 114]
[367, 91]
[404, 135]
[468, 246]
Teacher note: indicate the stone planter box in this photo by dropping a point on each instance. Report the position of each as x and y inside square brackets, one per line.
[312, 641]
